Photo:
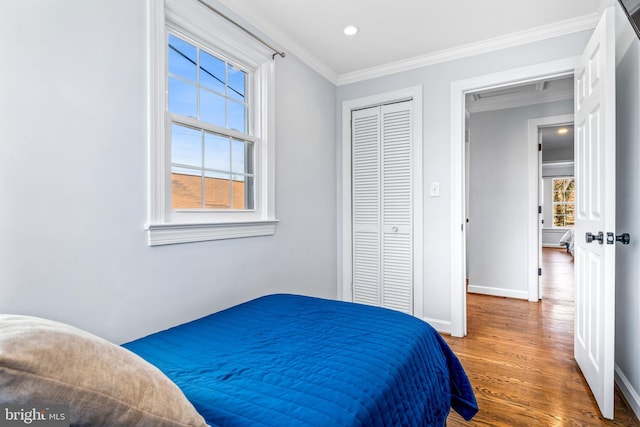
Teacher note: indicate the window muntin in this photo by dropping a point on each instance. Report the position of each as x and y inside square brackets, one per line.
[563, 198]
[210, 169]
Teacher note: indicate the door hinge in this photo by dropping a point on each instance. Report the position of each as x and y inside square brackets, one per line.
[539, 209]
[539, 272]
[539, 147]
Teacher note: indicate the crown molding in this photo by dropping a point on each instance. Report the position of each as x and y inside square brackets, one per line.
[586, 22]
[283, 39]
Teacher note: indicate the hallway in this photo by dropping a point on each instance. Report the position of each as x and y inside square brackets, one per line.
[519, 357]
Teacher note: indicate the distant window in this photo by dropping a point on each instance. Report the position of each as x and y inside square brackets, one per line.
[564, 202]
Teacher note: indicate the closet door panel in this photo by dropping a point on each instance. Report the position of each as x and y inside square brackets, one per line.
[365, 137]
[397, 265]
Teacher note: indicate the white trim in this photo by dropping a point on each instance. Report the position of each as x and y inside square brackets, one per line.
[457, 113]
[168, 234]
[629, 393]
[249, 14]
[532, 196]
[441, 326]
[166, 226]
[344, 279]
[498, 292]
[582, 23]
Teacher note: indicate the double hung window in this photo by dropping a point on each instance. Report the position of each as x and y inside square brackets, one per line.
[211, 128]
[211, 148]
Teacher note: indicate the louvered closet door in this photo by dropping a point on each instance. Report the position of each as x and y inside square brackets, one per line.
[367, 239]
[382, 206]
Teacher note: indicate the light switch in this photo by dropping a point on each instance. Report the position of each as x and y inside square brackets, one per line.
[435, 189]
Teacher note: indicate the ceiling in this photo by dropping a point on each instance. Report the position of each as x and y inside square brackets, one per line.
[401, 31]
[538, 92]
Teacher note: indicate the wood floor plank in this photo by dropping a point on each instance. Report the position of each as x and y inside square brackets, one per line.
[519, 357]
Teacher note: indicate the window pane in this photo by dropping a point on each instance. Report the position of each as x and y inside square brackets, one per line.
[237, 117]
[216, 152]
[238, 156]
[571, 215]
[182, 58]
[186, 146]
[212, 72]
[186, 188]
[182, 98]
[558, 209]
[212, 108]
[237, 82]
[239, 194]
[217, 190]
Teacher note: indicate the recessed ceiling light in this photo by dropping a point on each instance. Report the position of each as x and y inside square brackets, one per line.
[350, 30]
[563, 130]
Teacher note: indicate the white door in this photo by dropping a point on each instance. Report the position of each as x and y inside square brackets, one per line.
[595, 213]
[382, 206]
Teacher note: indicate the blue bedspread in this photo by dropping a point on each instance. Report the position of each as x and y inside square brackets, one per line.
[288, 360]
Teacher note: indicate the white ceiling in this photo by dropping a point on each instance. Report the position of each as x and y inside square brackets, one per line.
[401, 31]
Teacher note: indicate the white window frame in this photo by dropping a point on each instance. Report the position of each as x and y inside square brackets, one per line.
[168, 226]
[553, 216]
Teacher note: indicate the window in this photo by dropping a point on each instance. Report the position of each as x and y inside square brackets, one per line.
[211, 128]
[564, 198]
[211, 168]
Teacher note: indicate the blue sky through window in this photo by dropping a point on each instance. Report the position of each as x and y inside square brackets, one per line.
[206, 88]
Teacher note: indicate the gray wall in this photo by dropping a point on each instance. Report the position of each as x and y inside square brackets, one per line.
[435, 80]
[497, 236]
[73, 181]
[627, 208]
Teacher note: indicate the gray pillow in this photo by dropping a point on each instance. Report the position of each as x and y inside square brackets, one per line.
[46, 362]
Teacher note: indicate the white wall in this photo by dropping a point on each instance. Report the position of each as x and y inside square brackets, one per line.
[73, 181]
[497, 236]
[627, 207]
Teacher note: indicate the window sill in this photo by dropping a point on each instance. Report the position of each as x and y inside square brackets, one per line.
[169, 234]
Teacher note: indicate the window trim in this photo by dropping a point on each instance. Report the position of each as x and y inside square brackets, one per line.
[164, 225]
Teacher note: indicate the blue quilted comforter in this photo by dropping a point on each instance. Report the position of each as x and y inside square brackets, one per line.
[288, 360]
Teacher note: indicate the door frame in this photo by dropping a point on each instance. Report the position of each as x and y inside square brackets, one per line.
[345, 279]
[458, 90]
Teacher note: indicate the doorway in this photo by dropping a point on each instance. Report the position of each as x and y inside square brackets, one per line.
[503, 166]
[459, 90]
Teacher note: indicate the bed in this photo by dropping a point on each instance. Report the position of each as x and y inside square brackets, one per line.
[290, 360]
[567, 240]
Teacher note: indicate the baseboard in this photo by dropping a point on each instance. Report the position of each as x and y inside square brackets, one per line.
[630, 395]
[498, 292]
[439, 325]
[552, 245]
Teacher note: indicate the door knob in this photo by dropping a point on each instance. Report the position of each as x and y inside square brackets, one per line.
[590, 237]
[624, 238]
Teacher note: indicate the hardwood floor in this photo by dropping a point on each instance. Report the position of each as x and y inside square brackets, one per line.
[519, 357]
